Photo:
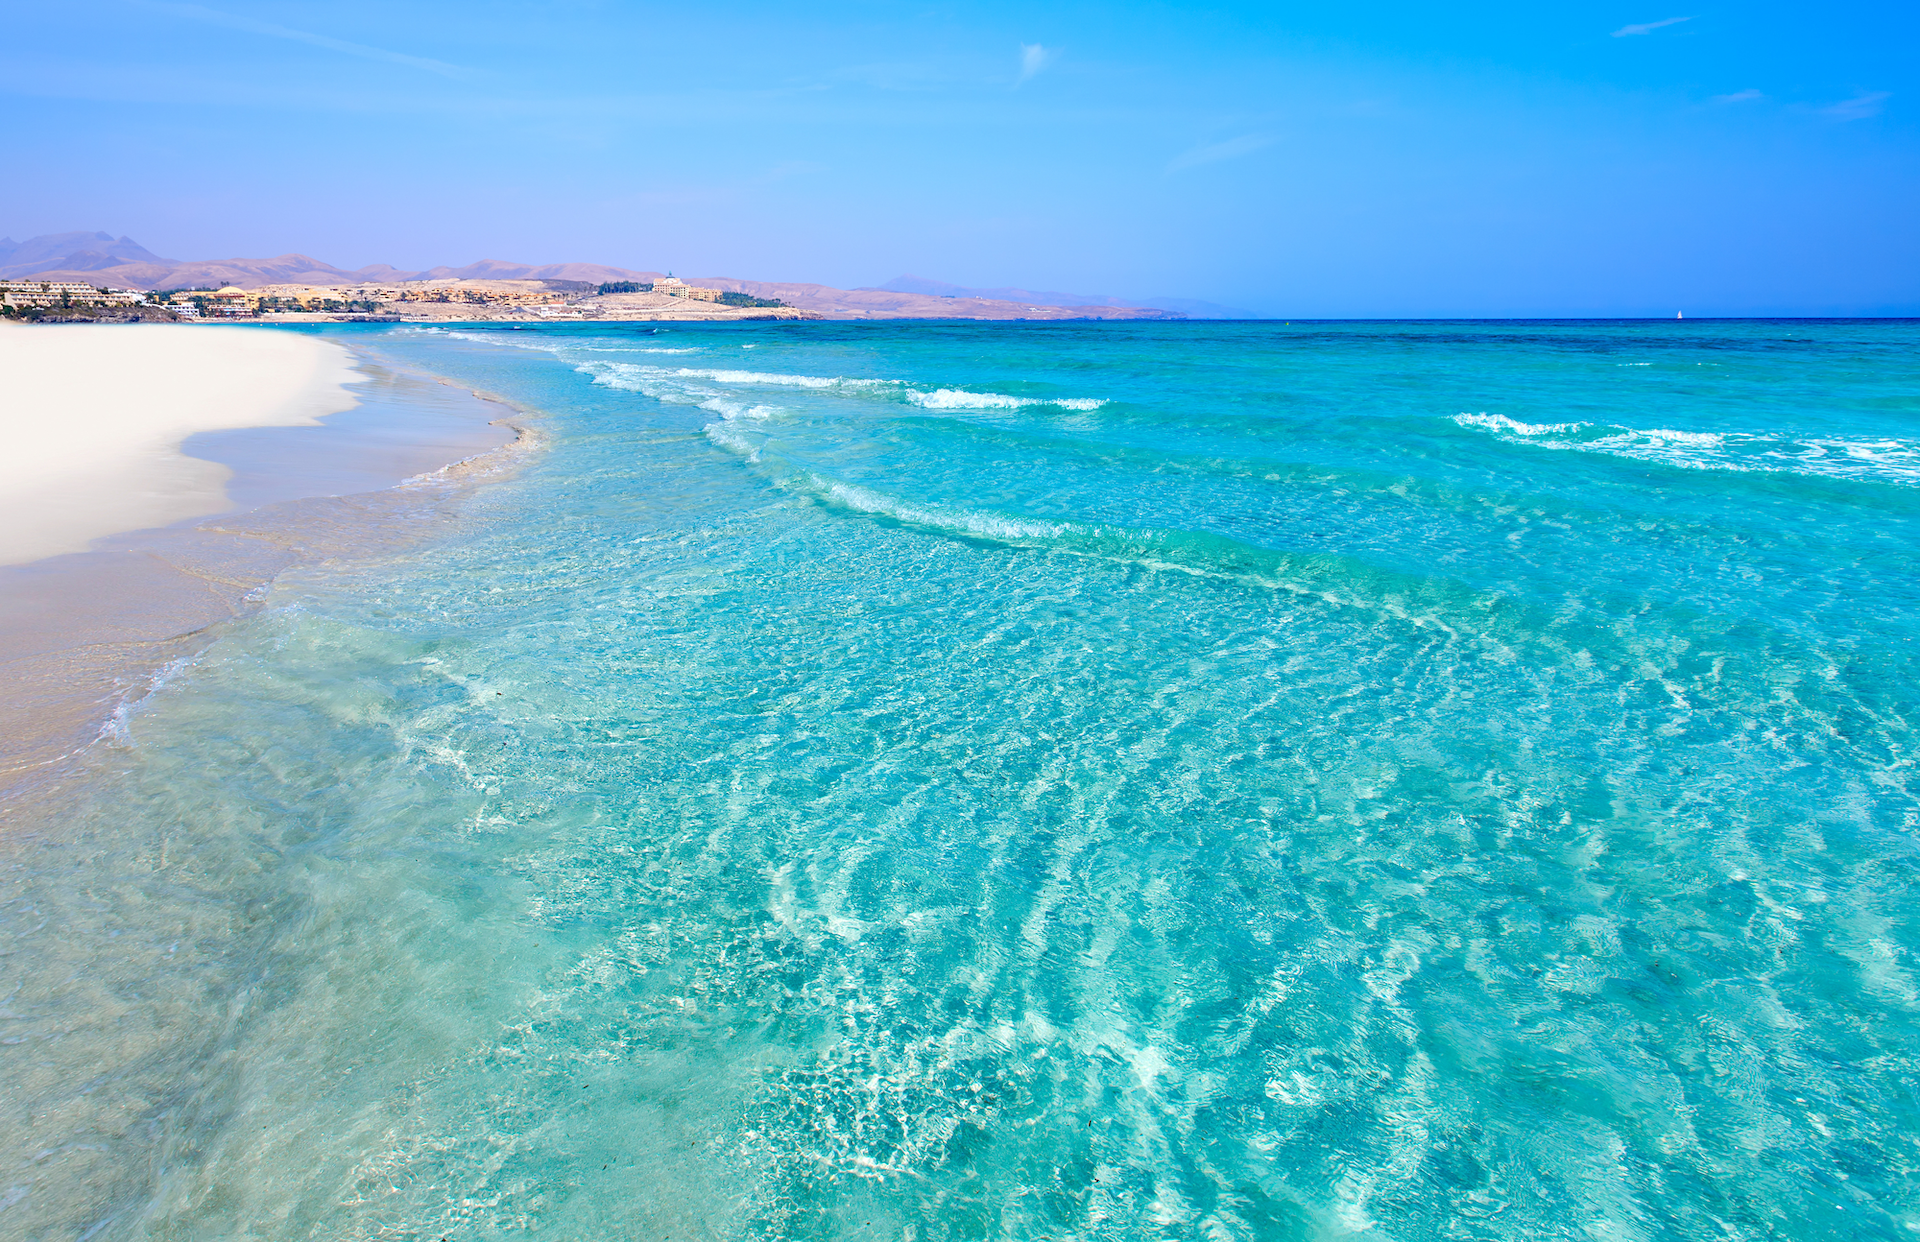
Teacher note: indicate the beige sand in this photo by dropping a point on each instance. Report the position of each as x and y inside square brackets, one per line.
[93, 416]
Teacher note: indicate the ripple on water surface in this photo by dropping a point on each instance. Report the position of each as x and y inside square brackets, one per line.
[1216, 791]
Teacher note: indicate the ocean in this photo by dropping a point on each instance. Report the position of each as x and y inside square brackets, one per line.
[1030, 781]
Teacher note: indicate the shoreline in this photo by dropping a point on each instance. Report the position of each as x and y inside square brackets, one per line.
[98, 418]
[82, 632]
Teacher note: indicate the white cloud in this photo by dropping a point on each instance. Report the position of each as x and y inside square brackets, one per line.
[214, 17]
[1859, 108]
[1034, 58]
[1746, 96]
[1232, 148]
[1648, 27]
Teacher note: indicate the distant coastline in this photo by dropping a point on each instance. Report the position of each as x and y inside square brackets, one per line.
[93, 276]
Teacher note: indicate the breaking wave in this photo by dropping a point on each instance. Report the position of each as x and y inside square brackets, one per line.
[641, 377]
[730, 410]
[670, 383]
[774, 379]
[955, 399]
[1500, 422]
[1884, 460]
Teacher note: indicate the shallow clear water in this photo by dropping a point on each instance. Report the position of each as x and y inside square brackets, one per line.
[402, 426]
[1072, 781]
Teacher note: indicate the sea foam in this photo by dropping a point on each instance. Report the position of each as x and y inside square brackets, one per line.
[1889, 460]
[869, 819]
[955, 399]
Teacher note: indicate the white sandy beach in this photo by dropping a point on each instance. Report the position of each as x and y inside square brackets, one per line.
[93, 416]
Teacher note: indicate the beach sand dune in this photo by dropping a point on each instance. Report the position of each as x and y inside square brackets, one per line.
[93, 416]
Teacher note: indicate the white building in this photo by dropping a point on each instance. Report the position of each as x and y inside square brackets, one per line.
[57, 292]
[674, 287]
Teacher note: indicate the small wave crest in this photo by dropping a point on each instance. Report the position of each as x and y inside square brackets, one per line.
[683, 385]
[956, 399]
[565, 347]
[540, 344]
[731, 410]
[1500, 422]
[1339, 581]
[725, 436]
[653, 380]
[1885, 460]
[938, 517]
[776, 379]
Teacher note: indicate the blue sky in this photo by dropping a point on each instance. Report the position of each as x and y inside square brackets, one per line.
[1638, 157]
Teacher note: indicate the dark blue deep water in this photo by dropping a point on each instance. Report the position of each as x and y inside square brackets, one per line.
[1107, 781]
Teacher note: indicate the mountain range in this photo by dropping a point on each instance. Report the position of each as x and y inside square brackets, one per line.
[99, 258]
[102, 259]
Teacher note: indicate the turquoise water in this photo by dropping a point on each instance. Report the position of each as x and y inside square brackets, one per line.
[1073, 781]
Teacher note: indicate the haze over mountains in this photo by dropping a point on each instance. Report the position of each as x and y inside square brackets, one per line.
[102, 259]
[1192, 308]
[74, 251]
[124, 263]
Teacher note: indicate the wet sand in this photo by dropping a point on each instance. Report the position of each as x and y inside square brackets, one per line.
[82, 632]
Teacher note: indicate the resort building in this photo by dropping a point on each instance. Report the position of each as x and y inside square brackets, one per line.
[64, 293]
[281, 298]
[230, 302]
[674, 287]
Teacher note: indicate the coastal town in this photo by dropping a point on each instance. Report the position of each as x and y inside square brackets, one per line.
[394, 302]
[93, 276]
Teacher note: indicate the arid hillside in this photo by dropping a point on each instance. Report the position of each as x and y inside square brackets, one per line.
[122, 263]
